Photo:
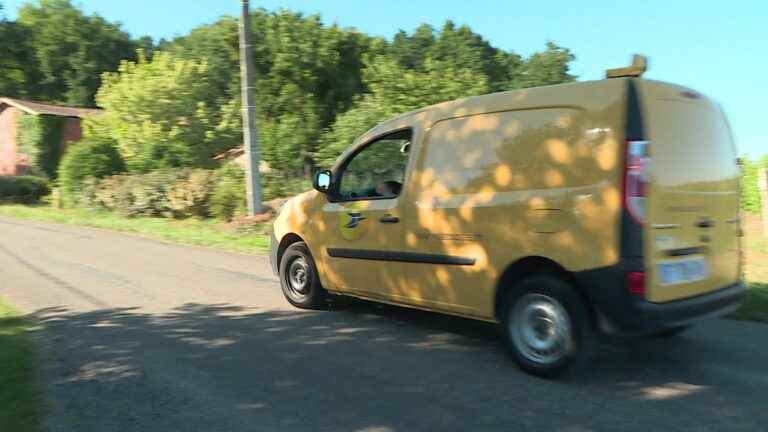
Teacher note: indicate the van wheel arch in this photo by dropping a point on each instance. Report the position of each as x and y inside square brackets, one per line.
[286, 241]
[531, 266]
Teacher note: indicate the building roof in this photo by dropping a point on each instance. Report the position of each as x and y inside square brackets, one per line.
[37, 108]
[231, 153]
[237, 155]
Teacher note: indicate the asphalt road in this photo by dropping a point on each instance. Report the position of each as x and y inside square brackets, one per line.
[140, 335]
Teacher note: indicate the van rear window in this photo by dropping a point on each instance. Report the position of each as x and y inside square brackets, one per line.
[693, 135]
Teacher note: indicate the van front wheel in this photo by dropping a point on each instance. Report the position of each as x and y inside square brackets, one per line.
[546, 326]
[298, 278]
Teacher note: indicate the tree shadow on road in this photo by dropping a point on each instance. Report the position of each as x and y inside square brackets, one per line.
[227, 367]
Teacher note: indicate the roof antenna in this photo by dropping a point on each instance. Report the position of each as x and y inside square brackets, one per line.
[637, 69]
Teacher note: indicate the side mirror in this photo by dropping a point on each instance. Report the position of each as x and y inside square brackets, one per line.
[322, 181]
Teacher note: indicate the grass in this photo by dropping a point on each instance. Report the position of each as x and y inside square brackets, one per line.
[20, 398]
[755, 307]
[195, 232]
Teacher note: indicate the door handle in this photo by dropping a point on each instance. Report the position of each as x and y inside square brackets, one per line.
[706, 223]
[389, 219]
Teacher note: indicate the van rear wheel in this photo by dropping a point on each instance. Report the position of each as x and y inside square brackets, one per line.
[546, 326]
[298, 278]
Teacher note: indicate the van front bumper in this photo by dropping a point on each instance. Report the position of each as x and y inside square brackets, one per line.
[621, 312]
[273, 246]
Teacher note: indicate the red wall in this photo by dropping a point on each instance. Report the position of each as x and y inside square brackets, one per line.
[70, 132]
[13, 163]
[8, 158]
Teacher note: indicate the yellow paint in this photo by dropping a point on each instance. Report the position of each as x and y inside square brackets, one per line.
[559, 151]
[503, 175]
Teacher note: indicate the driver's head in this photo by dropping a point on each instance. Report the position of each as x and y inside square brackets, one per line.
[388, 188]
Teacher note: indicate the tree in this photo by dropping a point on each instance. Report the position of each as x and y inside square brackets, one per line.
[16, 63]
[395, 90]
[544, 68]
[70, 50]
[426, 68]
[217, 45]
[306, 73]
[158, 114]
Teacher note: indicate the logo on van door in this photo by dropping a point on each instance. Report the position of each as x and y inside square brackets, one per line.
[349, 224]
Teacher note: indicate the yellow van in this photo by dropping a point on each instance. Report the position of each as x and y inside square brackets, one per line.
[560, 212]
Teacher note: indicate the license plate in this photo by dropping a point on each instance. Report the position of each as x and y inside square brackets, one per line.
[682, 271]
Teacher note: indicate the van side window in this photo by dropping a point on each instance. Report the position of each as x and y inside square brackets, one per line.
[378, 170]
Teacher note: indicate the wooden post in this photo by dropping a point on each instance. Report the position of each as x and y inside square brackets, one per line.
[250, 131]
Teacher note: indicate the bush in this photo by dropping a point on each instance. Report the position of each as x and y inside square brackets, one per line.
[87, 159]
[149, 192]
[181, 192]
[23, 189]
[750, 192]
[190, 195]
[133, 195]
[274, 185]
[171, 192]
[228, 197]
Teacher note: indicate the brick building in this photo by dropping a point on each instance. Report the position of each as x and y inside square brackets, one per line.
[13, 162]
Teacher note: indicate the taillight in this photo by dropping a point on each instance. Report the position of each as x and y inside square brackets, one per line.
[636, 283]
[636, 178]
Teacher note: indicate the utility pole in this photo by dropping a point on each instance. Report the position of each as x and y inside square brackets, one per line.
[250, 131]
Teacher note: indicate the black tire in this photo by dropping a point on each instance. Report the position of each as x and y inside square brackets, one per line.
[298, 278]
[672, 331]
[561, 318]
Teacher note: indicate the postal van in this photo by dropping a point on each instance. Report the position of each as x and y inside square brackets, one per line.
[559, 212]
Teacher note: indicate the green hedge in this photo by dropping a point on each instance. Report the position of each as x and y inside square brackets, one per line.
[170, 192]
[87, 159]
[39, 137]
[23, 189]
[173, 192]
[228, 197]
[750, 193]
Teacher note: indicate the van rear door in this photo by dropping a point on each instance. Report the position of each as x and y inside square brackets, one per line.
[692, 209]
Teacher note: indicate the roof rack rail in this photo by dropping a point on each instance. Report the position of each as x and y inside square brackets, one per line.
[637, 69]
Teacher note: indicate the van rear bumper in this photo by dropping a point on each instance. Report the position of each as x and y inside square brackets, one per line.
[628, 314]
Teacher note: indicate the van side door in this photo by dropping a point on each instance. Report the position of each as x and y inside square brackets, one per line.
[363, 218]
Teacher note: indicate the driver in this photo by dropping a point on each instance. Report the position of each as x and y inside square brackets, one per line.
[389, 188]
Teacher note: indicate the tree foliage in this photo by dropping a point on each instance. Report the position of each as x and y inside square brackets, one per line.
[427, 67]
[306, 73]
[395, 90]
[318, 86]
[53, 52]
[17, 71]
[159, 114]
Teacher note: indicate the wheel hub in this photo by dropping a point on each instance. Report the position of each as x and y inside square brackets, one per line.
[298, 275]
[541, 329]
